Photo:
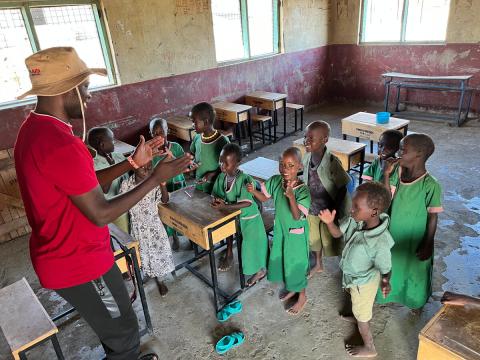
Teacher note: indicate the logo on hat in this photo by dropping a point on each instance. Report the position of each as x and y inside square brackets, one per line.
[35, 71]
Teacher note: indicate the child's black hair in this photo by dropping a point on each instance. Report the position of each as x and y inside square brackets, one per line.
[319, 124]
[293, 151]
[393, 137]
[204, 111]
[158, 121]
[95, 136]
[421, 143]
[233, 149]
[378, 196]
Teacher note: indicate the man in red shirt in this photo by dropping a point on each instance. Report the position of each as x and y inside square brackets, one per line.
[65, 205]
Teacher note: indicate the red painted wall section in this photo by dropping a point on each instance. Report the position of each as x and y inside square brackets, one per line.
[127, 108]
[355, 70]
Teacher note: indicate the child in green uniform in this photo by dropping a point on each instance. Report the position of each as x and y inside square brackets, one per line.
[366, 259]
[101, 143]
[388, 145]
[414, 214]
[327, 181]
[230, 192]
[159, 128]
[288, 261]
[206, 146]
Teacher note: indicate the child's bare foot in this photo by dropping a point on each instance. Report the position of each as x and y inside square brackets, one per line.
[286, 295]
[175, 242]
[162, 288]
[226, 262]
[297, 308]
[318, 268]
[361, 351]
[256, 278]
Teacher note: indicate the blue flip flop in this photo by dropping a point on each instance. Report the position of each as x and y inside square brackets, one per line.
[230, 309]
[229, 341]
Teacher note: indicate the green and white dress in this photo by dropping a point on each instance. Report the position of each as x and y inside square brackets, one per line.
[411, 279]
[254, 243]
[207, 155]
[177, 182]
[288, 261]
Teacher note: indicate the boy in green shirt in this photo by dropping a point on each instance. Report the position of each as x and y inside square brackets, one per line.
[366, 258]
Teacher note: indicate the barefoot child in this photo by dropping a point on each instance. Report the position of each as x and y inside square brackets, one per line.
[230, 192]
[146, 227]
[414, 214]
[327, 181]
[384, 168]
[159, 128]
[206, 146]
[101, 140]
[288, 261]
[366, 260]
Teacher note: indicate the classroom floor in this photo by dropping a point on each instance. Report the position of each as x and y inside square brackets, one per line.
[184, 321]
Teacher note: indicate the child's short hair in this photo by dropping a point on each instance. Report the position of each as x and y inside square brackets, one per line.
[319, 124]
[293, 151]
[158, 121]
[422, 143]
[393, 137]
[378, 196]
[233, 149]
[96, 134]
[204, 111]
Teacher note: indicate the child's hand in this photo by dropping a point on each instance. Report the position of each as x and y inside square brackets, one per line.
[218, 204]
[250, 187]
[163, 183]
[425, 251]
[385, 287]
[389, 164]
[289, 190]
[327, 216]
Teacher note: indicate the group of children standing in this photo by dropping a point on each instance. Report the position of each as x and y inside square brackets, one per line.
[384, 232]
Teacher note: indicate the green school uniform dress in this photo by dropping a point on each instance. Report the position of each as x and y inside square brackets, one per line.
[254, 243]
[375, 173]
[177, 182]
[288, 261]
[411, 279]
[207, 155]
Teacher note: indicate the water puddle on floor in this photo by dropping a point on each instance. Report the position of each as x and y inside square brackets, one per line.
[463, 264]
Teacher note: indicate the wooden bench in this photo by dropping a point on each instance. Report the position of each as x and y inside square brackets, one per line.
[181, 127]
[297, 108]
[23, 320]
[262, 119]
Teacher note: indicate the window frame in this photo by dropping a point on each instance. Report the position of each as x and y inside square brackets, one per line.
[403, 29]
[246, 35]
[25, 6]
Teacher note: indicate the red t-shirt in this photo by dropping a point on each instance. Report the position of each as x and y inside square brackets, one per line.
[52, 164]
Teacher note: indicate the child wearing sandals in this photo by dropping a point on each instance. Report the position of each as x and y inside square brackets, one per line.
[229, 192]
[366, 258]
[288, 262]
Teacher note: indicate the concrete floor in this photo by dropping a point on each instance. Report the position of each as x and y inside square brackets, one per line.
[184, 322]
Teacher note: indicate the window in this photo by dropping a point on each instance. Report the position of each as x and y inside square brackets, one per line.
[244, 29]
[404, 20]
[25, 29]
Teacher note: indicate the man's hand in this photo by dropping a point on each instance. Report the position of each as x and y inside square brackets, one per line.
[327, 216]
[166, 170]
[145, 150]
[425, 250]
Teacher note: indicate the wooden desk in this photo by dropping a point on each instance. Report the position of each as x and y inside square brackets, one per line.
[453, 333]
[260, 168]
[271, 102]
[363, 125]
[351, 154]
[123, 148]
[24, 321]
[181, 127]
[189, 212]
[235, 114]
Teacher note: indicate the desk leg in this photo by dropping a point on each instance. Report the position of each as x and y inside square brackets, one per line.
[397, 101]
[344, 136]
[387, 93]
[57, 348]
[362, 164]
[296, 121]
[460, 105]
[274, 125]
[405, 130]
[467, 110]
[239, 134]
[213, 269]
[141, 290]
[301, 119]
[371, 146]
[249, 124]
[239, 250]
[285, 117]
[357, 139]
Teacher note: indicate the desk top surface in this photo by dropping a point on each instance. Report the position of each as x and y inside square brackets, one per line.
[123, 147]
[233, 107]
[196, 206]
[23, 315]
[181, 121]
[371, 120]
[260, 168]
[267, 95]
[424, 77]
[339, 146]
